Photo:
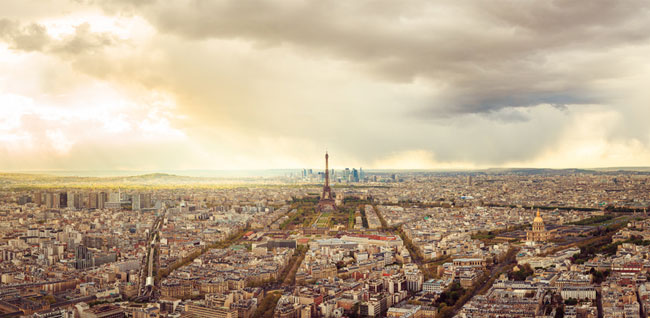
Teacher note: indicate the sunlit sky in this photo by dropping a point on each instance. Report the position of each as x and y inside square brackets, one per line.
[415, 84]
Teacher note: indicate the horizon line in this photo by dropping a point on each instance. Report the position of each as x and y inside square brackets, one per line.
[135, 172]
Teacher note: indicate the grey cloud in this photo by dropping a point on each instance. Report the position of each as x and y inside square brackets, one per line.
[487, 55]
[498, 59]
[84, 40]
[495, 72]
[34, 37]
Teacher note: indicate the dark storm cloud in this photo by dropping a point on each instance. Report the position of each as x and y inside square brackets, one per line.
[481, 56]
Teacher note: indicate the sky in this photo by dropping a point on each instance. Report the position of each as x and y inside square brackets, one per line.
[160, 85]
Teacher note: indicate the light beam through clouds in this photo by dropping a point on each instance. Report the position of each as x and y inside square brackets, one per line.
[168, 85]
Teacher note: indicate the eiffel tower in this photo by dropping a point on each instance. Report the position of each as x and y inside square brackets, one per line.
[326, 200]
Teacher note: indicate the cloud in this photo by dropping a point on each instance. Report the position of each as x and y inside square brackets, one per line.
[35, 37]
[271, 84]
[41, 140]
[32, 37]
[480, 56]
[83, 40]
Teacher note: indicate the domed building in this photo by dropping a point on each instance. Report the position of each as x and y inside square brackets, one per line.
[538, 233]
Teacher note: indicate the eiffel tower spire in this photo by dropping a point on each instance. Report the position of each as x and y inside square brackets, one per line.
[326, 199]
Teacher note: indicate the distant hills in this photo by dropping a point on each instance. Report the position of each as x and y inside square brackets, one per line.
[639, 169]
[150, 180]
[100, 179]
[188, 173]
[569, 171]
[518, 171]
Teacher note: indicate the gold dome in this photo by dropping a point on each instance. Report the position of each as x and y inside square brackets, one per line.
[538, 218]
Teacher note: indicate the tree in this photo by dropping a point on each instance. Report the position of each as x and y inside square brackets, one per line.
[598, 276]
[354, 311]
[267, 305]
[571, 302]
[524, 272]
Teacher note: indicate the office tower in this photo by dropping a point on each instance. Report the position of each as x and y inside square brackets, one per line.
[101, 200]
[114, 197]
[71, 198]
[49, 200]
[56, 203]
[83, 257]
[136, 203]
[24, 199]
[79, 201]
[146, 201]
[355, 175]
[92, 200]
[115, 200]
[83, 201]
[38, 198]
[63, 199]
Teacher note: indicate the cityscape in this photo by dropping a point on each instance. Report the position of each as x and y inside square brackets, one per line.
[331, 243]
[324, 159]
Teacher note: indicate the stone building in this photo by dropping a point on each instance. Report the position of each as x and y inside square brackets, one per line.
[538, 233]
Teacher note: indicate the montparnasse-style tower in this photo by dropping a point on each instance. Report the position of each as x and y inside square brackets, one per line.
[326, 199]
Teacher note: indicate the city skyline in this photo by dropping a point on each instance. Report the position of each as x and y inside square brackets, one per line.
[324, 159]
[158, 86]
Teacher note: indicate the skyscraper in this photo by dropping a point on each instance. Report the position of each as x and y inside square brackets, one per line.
[92, 200]
[56, 203]
[49, 200]
[114, 197]
[147, 202]
[38, 198]
[63, 199]
[136, 202]
[83, 257]
[101, 200]
[71, 200]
